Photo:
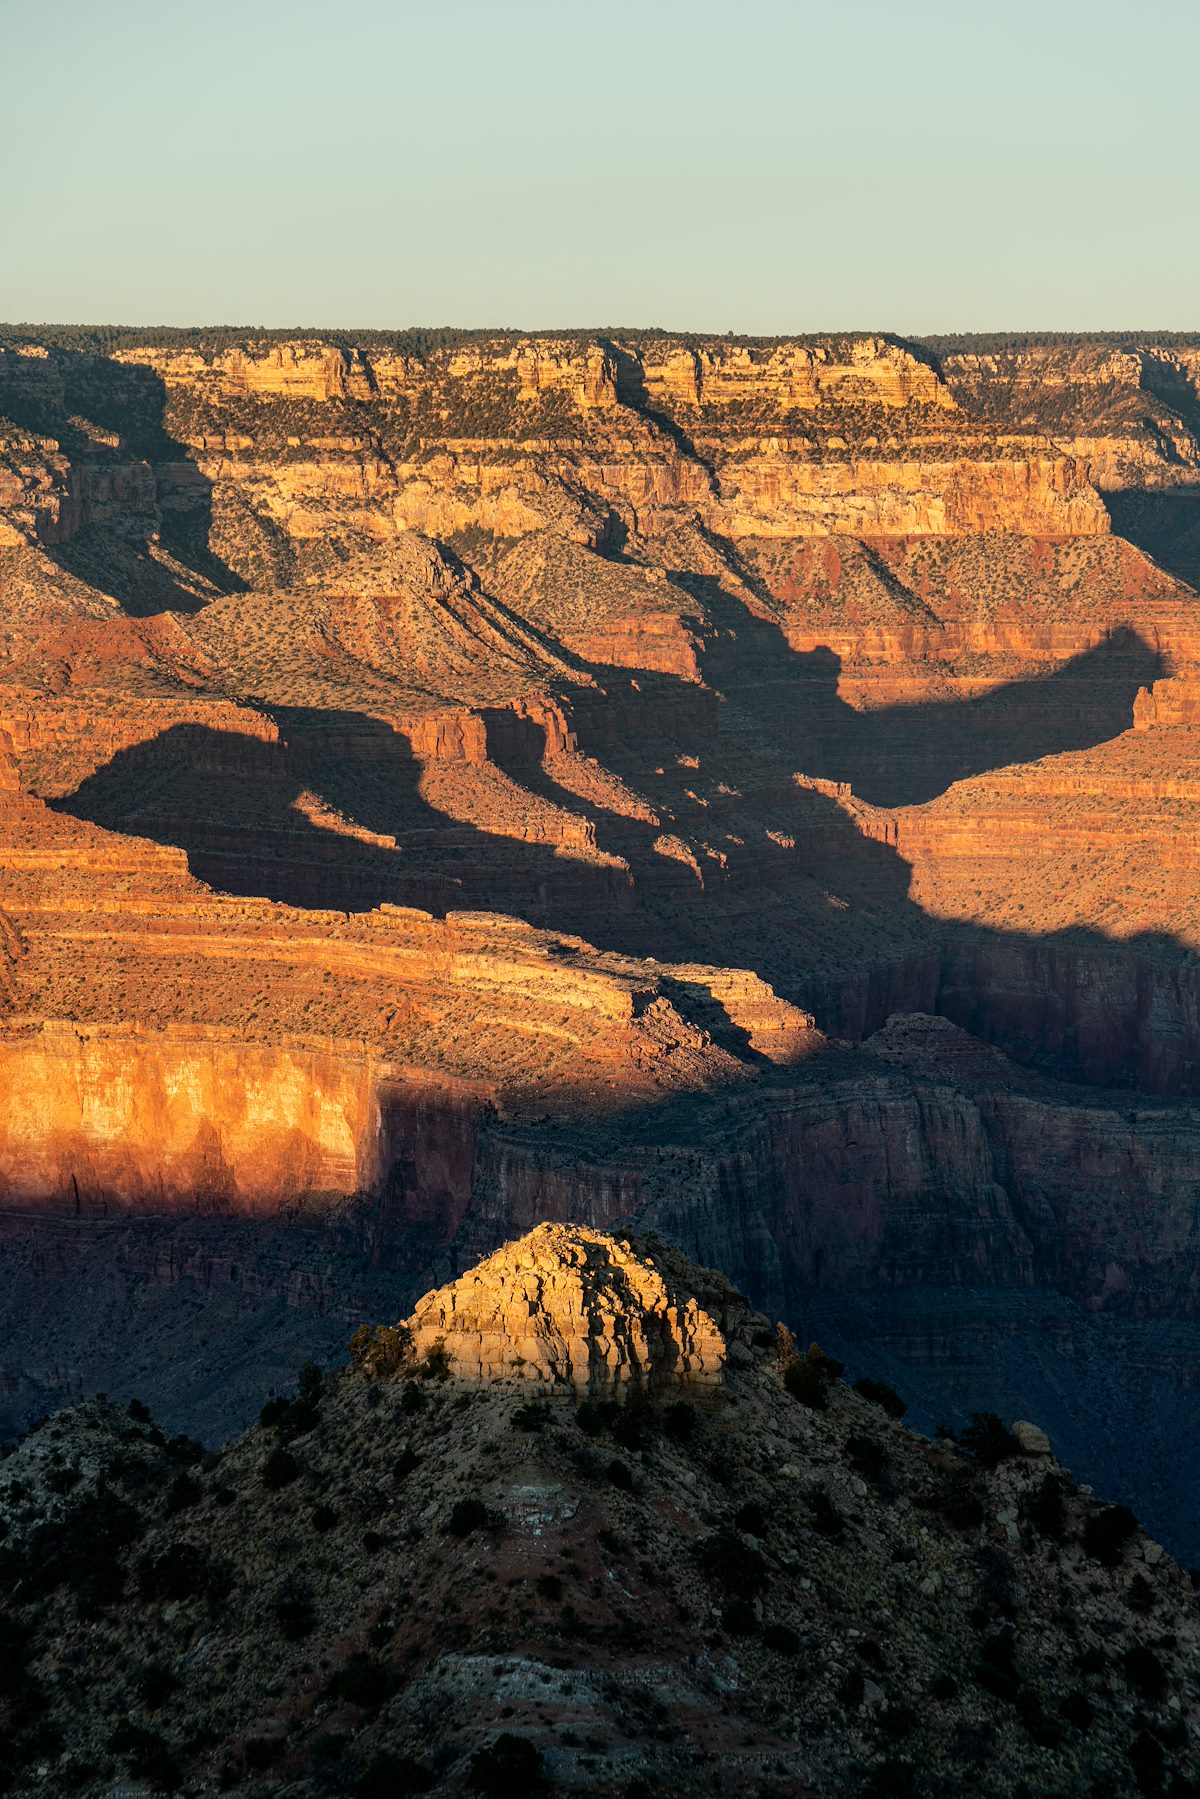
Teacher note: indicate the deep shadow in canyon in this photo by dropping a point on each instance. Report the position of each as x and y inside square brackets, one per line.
[909, 754]
[1165, 523]
[111, 423]
[741, 866]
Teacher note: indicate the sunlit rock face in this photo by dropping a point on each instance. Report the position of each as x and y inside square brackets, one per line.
[575, 1310]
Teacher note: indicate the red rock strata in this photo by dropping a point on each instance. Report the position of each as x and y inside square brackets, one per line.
[558, 729]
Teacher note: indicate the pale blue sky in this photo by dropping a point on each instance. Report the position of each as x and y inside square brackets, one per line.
[758, 167]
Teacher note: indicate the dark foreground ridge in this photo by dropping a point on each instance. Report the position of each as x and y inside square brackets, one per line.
[585, 1524]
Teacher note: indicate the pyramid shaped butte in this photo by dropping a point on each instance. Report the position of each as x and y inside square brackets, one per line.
[573, 1310]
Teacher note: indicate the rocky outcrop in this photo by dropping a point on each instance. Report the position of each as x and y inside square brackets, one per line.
[594, 1595]
[572, 1311]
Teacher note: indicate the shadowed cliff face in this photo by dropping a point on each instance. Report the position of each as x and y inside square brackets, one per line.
[134, 517]
[1165, 523]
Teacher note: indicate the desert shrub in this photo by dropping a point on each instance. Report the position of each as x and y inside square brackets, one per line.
[1106, 1533]
[589, 1418]
[961, 1504]
[404, 1461]
[273, 1411]
[996, 1584]
[184, 1491]
[1091, 1660]
[82, 1551]
[751, 1517]
[389, 1776]
[311, 1383]
[827, 1520]
[1078, 1710]
[549, 1586]
[139, 1412]
[630, 1424]
[185, 1449]
[411, 1397]
[293, 1611]
[1047, 1508]
[829, 1365]
[279, 1469]
[467, 1515]
[329, 1746]
[996, 1667]
[1141, 1597]
[381, 1350]
[1144, 1672]
[182, 1571]
[146, 1755]
[988, 1440]
[259, 1752]
[781, 1638]
[620, 1476]
[1148, 1761]
[155, 1685]
[1047, 1733]
[731, 1563]
[296, 1420]
[866, 1456]
[679, 1420]
[879, 1393]
[14, 1641]
[891, 1779]
[506, 1769]
[373, 1541]
[943, 1687]
[324, 1518]
[362, 1682]
[852, 1687]
[531, 1417]
[436, 1365]
[807, 1382]
[738, 1618]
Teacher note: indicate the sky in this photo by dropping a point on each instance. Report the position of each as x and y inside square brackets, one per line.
[758, 167]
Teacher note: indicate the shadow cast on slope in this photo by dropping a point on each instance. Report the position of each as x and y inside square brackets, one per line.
[111, 424]
[909, 754]
[734, 863]
[1165, 523]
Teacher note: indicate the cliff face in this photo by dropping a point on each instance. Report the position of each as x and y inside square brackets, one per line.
[294, 448]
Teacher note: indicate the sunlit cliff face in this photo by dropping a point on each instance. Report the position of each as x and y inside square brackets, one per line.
[410, 747]
[570, 1312]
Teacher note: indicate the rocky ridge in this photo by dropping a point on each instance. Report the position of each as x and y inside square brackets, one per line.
[404, 1581]
[569, 1308]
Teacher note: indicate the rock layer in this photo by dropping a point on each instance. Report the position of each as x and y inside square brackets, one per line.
[571, 1310]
